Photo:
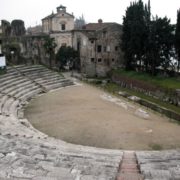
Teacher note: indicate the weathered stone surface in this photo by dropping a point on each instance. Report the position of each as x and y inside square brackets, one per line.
[26, 153]
[160, 165]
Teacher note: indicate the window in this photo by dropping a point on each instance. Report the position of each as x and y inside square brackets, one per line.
[104, 48]
[113, 60]
[92, 41]
[99, 48]
[116, 48]
[63, 27]
[78, 45]
[104, 34]
[92, 59]
[99, 60]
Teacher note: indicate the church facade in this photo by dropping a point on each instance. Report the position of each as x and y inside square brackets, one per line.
[59, 26]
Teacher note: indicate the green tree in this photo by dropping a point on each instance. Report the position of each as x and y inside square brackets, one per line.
[177, 38]
[12, 51]
[146, 43]
[17, 27]
[67, 56]
[161, 43]
[49, 46]
[135, 34]
[6, 28]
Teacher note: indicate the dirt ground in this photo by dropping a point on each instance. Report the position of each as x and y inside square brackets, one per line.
[88, 116]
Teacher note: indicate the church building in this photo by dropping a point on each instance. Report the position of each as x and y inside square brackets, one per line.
[59, 26]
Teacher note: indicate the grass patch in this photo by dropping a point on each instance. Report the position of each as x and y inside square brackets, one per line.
[156, 147]
[114, 89]
[163, 82]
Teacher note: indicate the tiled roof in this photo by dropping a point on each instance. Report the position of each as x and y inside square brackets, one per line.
[97, 26]
[53, 15]
[48, 17]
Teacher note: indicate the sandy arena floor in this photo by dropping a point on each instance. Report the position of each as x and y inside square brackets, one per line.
[88, 116]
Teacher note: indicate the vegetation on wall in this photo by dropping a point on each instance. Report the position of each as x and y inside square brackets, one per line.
[49, 46]
[12, 52]
[67, 56]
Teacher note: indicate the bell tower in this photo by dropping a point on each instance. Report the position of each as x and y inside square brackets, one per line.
[61, 9]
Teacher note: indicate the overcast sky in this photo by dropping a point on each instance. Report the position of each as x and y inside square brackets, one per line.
[32, 11]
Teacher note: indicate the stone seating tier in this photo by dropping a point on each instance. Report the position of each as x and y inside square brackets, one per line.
[9, 78]
[16, 86]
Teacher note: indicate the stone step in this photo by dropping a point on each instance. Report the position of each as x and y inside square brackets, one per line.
[23, 90]
[129, 176]
[26, 67]
[10, 79]
[49, 75]
[128, 169]
[49, 78]
[46, 82]
[14, 108]
[2, 101]
[51, 82]
[6, 106]
[18, 86]
[31, 69]
[58, 85]
[30, 94]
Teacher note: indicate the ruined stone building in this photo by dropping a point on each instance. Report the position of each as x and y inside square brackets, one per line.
[22, 48]
[99, 47]
[59, 26]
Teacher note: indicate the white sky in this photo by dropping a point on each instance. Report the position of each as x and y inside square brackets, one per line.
[32, 11]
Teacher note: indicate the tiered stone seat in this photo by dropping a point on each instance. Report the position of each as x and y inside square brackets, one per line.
[47, 78]
[163, 165]
[22, 83]
[12, 89]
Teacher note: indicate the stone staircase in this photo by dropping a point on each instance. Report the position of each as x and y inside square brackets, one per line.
[26, 153]
[129, 167]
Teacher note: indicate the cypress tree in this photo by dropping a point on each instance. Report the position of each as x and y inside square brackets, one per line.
[135, 34]
[161, 43]
[177, 39]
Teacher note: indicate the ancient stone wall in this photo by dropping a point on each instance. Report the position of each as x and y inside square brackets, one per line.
[24, 49]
